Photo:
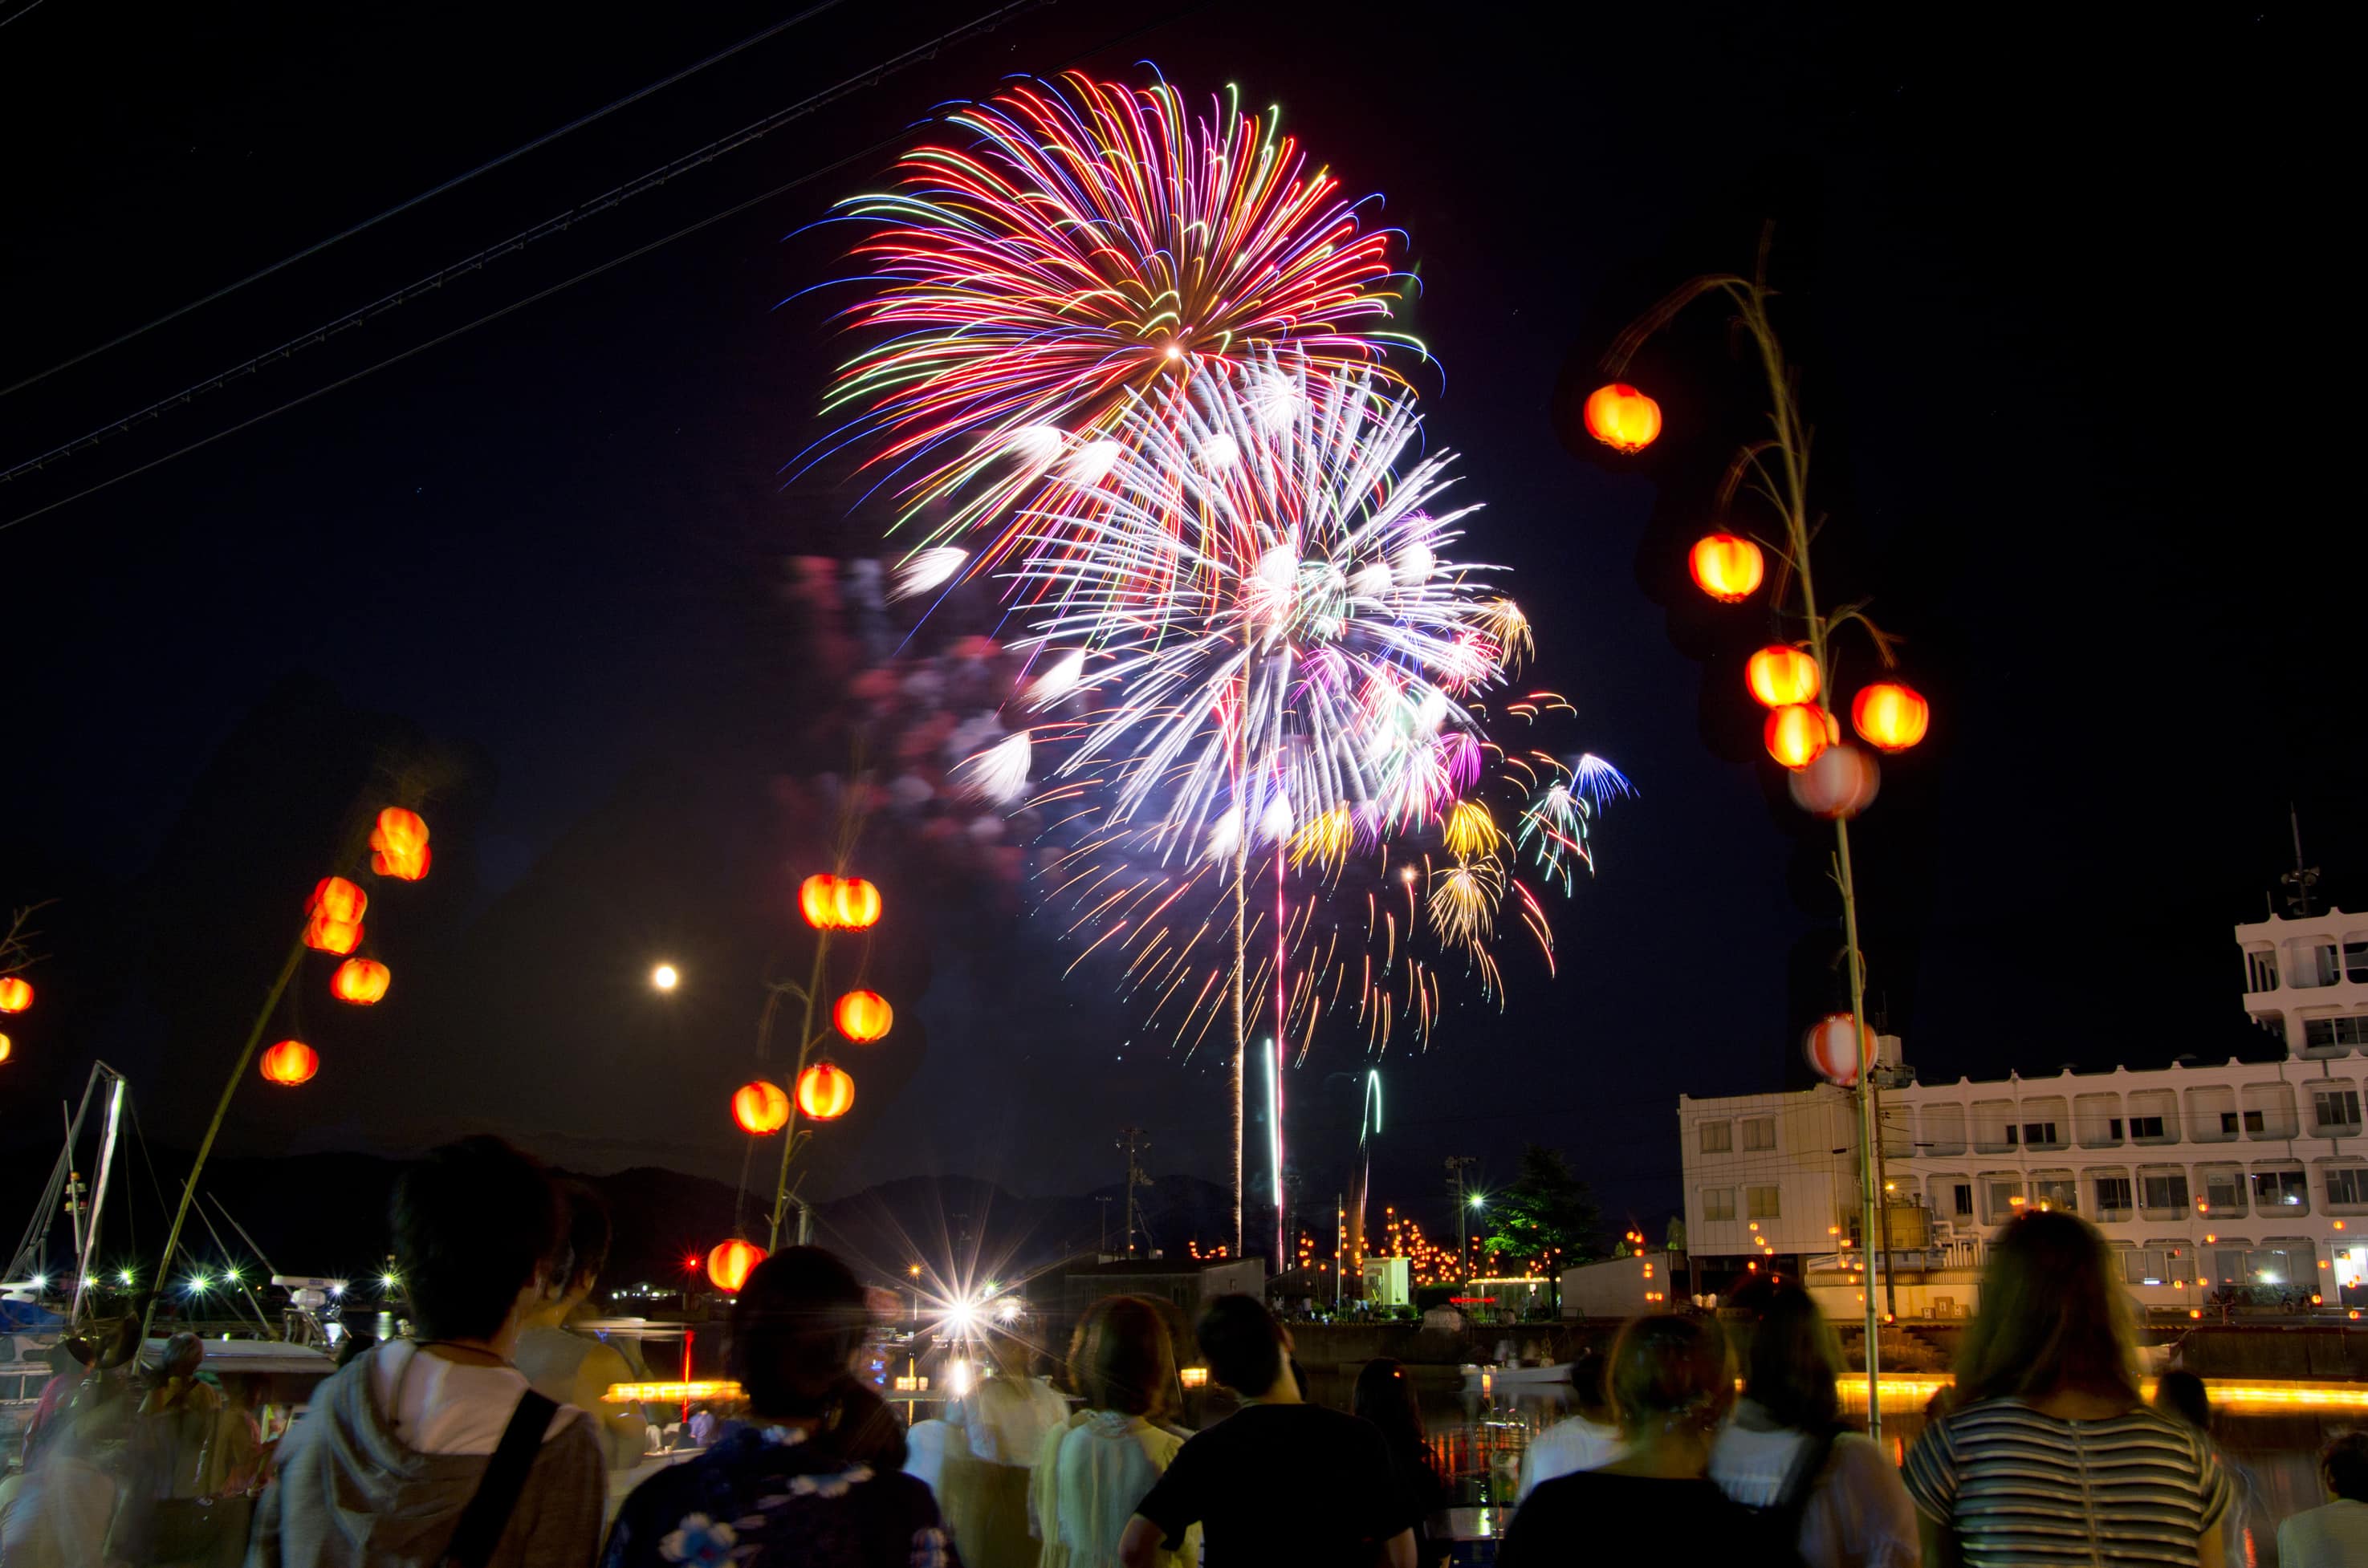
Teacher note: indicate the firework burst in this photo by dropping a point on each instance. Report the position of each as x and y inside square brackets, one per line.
[1091, 248]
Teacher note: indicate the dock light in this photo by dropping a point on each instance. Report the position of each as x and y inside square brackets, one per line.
[1008, 1309]
[124, 1277]
[1198, 1377]
[389, 1281]
[1478, 1202]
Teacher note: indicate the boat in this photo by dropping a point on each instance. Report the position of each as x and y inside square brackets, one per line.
[1497, 1373]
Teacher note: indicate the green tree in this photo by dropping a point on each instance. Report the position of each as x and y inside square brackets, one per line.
[1547, 1213]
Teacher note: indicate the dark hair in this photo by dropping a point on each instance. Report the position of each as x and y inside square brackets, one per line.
[795, 1327]
[1384, 1396]
[1670, 1366]
[2182, 1393]
[1590, 1371]
[2053, 1316]
[1790, 1370]
[1122, 1359]
[589, 1233]
[474, 1223]
[1242, 1343]
[184, 1353]
[2345, 1459]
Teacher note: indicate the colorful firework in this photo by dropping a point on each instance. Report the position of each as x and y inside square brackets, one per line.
[1093, 248]
[1270, 671]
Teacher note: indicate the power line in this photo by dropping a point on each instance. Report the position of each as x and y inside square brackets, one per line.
[606, 201]
[515, 153]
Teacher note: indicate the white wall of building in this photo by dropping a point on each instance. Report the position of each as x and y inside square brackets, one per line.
[2200, 1177]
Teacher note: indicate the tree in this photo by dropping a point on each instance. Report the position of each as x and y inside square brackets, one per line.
[1547, 1215]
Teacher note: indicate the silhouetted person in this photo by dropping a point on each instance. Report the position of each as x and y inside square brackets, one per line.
[809, 1480]
[1589, 1439]
[425, 1451]
[1279, 1481]
[2334, 1535]
[1384, 1396]
[1094, 1469]
[571, 1366]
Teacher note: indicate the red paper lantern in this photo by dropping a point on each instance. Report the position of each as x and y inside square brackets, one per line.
[760, 1108]
[290, 1063]
[1795, 734]
[6, 1047]
[1837, 785]
[1782, 675]
[1622, 417]
[359, 981]
[1827, 1047]
[399, 845]
[1727, 566]
[327, 936]
[339, 899]
[855, 904]
[815, 900]
[862, 1016]
[15, 994]
[1891, 714]
[825, 1092]
[731, 1263]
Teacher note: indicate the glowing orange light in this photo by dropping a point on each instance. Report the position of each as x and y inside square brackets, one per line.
[815, 900]
[337, 899]
[732, 1262]
[862, 1016]
[399, 845]
[290, 1063]
[1622, 417]
[325, 934]
[359, 981]
[1827, 1047]
[6, 1047]
[15, 994]
[1838, 785]
[1726, 567]
[1890, 714]
[1781, 674]
[760, 1108]
[1796, 735]
[855, 904]
[825, 1092]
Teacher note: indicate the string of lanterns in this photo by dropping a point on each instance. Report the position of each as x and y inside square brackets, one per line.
[15, 996]
[334, 924]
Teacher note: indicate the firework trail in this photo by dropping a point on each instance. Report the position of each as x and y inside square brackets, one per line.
[1091, 249]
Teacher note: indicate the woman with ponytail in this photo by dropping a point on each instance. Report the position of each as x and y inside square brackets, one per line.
[810, 1478]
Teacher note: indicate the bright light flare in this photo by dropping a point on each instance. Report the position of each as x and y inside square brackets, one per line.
[665, 977]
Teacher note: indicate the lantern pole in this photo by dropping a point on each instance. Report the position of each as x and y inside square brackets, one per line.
[790, 1133]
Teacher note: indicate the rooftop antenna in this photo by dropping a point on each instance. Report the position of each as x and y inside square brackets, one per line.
[2301, 879]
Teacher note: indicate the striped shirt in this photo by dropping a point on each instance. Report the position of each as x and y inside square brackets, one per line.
[2017, 1487]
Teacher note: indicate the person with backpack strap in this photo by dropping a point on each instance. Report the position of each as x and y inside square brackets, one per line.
[1824, 1492]
[434, 1452]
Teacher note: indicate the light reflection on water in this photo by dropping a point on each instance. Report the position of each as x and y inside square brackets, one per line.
[1476, 1440]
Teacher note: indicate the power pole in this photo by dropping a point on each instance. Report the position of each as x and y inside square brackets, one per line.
[1131, 1140]
[1102, 1227]
[1455, 1167]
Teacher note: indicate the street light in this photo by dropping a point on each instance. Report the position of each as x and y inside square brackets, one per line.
[666, 977]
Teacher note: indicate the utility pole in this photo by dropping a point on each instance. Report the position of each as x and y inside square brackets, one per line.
[1455, 1167]
[2301, 879]
[1131, 1140]
[1101, 1228]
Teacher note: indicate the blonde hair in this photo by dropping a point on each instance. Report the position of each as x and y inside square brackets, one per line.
[2053, 1316]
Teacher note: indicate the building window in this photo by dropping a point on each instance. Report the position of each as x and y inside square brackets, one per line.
[1718, 1203]
[1718, 1137]
[2355, 962]
[2114, 1129]
[2281, 1189]
[2056, 1190]
[2005, 1198]
[2348, 1184]
[1759, 1132]
[2112, 1198]
[2326, 1034]
[2163, 1193]
[2260, 972]
[2141, 1126]
[2225, 1190]
[1763, 1202]
[2039, 1135]
[2145, 1266]
[2228, 1122]
[1962, 1196]
[2336, 1111]
[2320, 967]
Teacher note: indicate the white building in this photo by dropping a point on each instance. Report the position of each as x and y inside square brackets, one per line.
[2249, 1175]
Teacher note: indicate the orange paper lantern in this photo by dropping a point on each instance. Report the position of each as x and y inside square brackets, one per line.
[339, 899]
[399, 845]
[864, 1016]
[5, 1048]
[855, 904]
[1796, 734]
[15, 994]
[327, 936]
[1891, 714]
[814, 901]
[1837, 785]
[731, 1263]
[760, 1107]
[825, 1092]
[290, 1063]
[359, 981]
[1622, 417]
[1727, 567]
[1781, 674]
[1827, 1047]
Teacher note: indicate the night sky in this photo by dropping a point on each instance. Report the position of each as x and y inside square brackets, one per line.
[2071, 328]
